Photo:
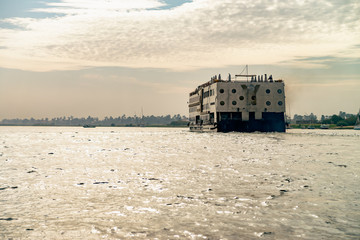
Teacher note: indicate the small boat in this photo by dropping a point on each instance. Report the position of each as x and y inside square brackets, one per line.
[357, 123]
[324, 126]
[89, 126]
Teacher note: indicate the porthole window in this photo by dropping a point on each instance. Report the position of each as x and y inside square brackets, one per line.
[268, 103]
[222, 103]
[280, 103]
[279, 91]
[233, 102]
[221, 90]
[241, 98]
[233, 91]
[267, 91]
[253, 98]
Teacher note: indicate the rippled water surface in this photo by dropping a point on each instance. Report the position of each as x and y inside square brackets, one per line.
[159, 183]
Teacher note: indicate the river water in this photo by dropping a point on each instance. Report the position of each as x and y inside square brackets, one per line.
[169, 183]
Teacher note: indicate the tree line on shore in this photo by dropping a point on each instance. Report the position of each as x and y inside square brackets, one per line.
[168, 120]
[341, 120]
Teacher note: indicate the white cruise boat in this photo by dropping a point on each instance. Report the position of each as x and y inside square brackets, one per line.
[246, 103]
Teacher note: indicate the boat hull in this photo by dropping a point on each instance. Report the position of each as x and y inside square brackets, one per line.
[271, 122]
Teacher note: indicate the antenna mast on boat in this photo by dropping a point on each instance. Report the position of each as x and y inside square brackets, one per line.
[247, 72]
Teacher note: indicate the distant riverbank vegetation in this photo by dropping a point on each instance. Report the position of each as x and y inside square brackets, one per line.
[341, 121]
[123, 121]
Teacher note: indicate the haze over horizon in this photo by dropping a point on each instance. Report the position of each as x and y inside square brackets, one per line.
[114, 57]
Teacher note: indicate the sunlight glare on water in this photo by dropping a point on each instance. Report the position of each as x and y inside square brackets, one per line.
[168, 183]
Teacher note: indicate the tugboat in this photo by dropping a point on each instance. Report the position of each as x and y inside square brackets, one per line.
[246, 103]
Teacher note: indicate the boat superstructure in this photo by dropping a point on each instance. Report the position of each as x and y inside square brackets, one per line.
[246, 103]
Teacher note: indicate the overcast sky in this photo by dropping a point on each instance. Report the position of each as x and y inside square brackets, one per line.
[113, 57]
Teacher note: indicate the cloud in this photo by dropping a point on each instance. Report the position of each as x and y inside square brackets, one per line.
[202, 33]
[96, 7]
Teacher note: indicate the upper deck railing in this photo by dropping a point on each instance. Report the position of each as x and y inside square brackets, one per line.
[249, 78]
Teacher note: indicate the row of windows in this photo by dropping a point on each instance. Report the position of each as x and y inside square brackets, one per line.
[193, 109]
[222, 103]
[205, 106]
[252, 98]
[208, 93]
[280, 103]
[279, 91]
[193, 100]
[234, 91]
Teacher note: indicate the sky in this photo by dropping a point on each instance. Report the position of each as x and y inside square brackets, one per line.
[114, 57]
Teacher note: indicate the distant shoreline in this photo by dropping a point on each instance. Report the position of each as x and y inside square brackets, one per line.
[105, 126]
[318, 126]
[293, 126]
